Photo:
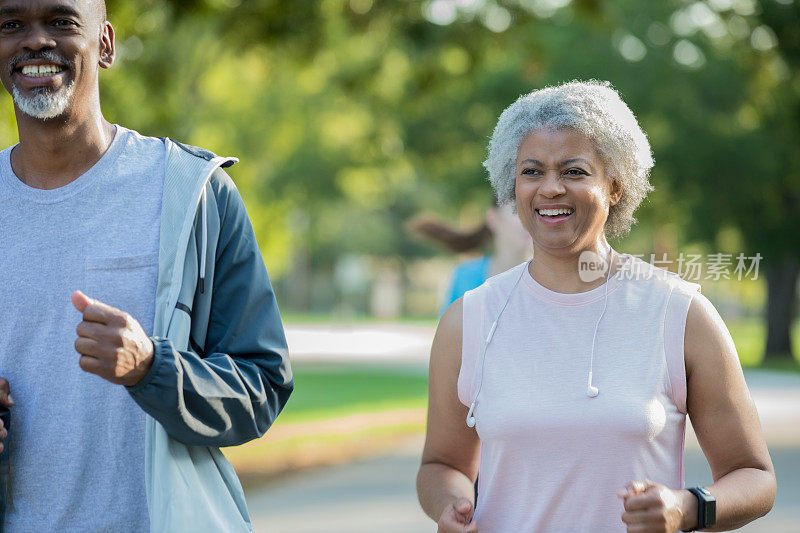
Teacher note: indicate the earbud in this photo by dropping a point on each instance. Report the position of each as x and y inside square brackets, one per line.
[592, 391]
[470, 416]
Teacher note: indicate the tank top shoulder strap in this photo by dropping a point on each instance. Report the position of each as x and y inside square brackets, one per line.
[680, 299]
[480, 308]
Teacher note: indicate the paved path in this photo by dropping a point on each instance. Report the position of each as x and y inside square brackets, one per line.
[374, 496]
[365, 342]
[378, 495]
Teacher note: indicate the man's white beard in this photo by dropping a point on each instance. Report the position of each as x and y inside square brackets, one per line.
[45, 103]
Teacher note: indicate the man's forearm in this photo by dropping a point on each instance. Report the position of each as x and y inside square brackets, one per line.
[217, 400]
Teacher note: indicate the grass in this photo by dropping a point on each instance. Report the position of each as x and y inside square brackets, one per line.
[750, 337]
[336, 414]
[784, 364]
[341, 391]
[264, 461]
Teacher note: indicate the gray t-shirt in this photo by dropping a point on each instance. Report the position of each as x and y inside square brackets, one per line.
[76, 442]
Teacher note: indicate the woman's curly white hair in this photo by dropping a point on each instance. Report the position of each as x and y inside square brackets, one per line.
[594, 109]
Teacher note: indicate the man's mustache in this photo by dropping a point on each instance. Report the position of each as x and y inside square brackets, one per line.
[47, 55]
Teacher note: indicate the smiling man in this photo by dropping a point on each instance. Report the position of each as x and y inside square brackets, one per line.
[139, 331]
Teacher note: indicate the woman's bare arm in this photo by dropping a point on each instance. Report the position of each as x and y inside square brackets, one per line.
[725, 420]
[450, 457]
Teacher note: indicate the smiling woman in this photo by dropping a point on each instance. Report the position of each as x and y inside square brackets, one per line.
[550, 162]
[596, 112]
[567, 386]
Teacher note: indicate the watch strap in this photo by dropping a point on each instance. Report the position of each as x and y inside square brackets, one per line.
[706, 507]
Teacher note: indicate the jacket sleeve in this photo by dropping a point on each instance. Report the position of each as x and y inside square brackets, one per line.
[230, 390]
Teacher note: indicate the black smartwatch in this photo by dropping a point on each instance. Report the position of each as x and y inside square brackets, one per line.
[706, 508]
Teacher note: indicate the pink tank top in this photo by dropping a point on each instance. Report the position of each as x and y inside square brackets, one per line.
[553, 459]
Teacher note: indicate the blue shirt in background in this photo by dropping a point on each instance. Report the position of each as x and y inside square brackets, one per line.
[466, 276]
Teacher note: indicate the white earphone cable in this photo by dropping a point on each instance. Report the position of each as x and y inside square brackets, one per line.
[470, 415]
[592, 391]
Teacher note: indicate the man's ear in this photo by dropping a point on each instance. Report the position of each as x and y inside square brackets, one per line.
[108, 51]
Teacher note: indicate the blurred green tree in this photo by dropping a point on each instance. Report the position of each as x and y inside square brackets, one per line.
[356, 111]
[350, 116]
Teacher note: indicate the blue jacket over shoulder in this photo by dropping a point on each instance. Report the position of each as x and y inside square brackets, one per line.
[221, 371]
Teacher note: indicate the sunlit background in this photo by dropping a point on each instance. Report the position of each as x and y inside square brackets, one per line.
[353, 117]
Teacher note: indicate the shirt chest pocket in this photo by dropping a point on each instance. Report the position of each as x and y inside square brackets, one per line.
[125, 282]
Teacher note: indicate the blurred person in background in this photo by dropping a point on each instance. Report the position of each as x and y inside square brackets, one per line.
[567, 379]
[180, 347]
[501, 229]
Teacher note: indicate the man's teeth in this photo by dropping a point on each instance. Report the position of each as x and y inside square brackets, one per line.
[554, 212]
[40, 71]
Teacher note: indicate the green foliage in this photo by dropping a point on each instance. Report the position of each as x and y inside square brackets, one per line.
[352, 116]
[749, 336]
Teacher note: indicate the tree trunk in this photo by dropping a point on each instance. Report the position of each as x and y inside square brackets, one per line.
[782, 274]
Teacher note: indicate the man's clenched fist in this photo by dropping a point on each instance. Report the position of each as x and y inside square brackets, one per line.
[112, 343]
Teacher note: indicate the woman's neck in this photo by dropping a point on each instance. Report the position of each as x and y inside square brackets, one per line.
[575, 272]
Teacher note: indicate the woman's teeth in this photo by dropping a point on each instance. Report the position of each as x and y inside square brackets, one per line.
[554, 212]
[40, 71]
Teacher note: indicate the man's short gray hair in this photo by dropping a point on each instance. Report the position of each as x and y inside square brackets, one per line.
[594, 109]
